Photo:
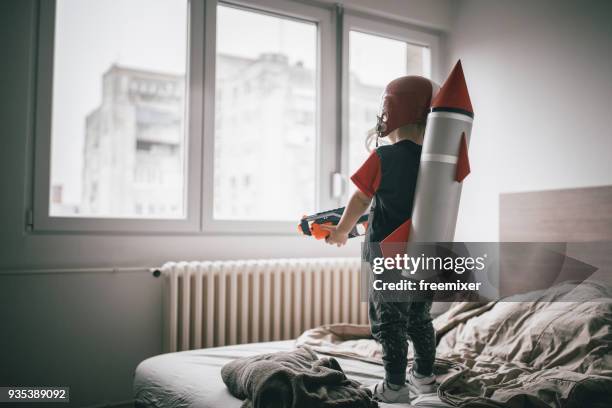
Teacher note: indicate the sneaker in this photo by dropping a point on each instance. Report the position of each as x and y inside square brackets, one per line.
[382, 392]
[421, 385]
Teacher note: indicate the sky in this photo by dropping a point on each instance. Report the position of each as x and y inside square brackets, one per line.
[249, 34]
[376, 60]
[91, 35]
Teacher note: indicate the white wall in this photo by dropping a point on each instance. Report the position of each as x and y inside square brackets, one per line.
[540, 78]
[89, 330]
[86, 331]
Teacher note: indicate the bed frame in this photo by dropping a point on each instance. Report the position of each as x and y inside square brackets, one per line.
[575, 223]
[573, 215]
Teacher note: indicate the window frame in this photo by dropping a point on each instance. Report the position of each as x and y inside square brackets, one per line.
[325, 119]
[41, 218]
[333, 23]
[382, 27]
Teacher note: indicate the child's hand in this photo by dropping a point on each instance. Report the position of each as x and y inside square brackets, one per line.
[335, 237]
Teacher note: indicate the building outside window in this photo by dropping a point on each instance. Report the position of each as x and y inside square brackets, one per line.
[265, 123]
[118, 112]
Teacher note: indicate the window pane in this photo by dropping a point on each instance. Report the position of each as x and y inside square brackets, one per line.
[265, 119]
[374, 61]
[118, 144]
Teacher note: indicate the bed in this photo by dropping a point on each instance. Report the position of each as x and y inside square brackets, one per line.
[193, 378]
[538, 353]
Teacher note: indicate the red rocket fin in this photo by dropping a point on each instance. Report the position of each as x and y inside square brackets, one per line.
[395, 242]
[454, 93]
[400, 234]
[463, 162]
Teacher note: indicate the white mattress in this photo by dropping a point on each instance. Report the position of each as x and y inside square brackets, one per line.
[192, 379]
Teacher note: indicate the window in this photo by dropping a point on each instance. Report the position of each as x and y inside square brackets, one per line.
[376, 55]
[269, 127]
[265, 124]
[117, 117]
[205, 116]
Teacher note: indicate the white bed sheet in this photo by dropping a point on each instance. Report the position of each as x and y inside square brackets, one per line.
[192, 379]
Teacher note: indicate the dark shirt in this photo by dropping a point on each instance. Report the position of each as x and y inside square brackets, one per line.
[389, 176]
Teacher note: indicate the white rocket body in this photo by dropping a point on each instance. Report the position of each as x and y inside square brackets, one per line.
[444, 162]
[437, 196]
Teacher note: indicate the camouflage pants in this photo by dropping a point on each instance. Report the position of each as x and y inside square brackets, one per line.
[393, 324]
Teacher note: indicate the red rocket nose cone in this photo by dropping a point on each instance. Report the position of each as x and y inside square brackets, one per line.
[454, 93]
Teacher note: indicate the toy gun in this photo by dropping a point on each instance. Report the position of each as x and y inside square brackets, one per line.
[311, 224]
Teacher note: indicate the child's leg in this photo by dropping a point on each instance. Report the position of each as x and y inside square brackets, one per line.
[388, 325]
[423, 337]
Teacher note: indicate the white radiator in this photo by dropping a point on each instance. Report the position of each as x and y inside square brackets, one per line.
[209, 304]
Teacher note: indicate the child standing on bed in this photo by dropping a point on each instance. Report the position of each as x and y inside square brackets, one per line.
[387, 179]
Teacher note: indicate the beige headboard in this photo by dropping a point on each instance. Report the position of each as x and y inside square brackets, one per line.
[579, 220]
[573, 215]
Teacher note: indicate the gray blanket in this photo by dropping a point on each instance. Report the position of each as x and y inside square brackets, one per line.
[292, 380]
[553, 351]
